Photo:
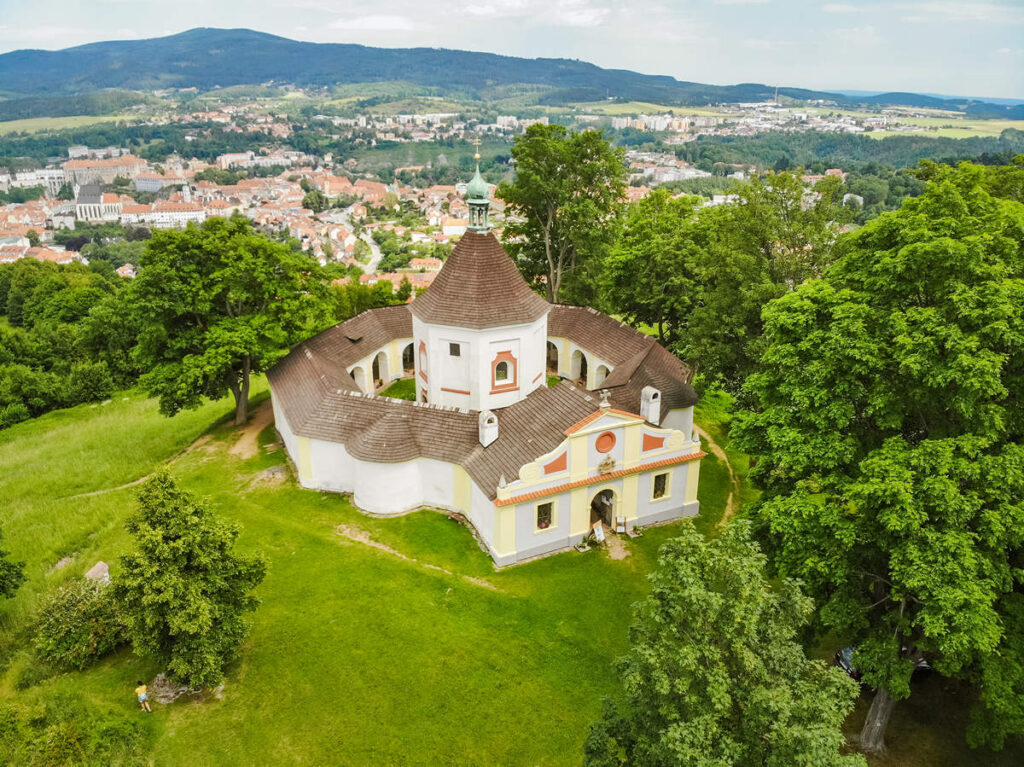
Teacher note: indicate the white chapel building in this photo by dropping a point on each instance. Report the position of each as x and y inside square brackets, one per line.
[532, 467]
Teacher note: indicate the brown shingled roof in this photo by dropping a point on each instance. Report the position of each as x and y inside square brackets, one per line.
[320, 400]
[479, 287]
[638, 360]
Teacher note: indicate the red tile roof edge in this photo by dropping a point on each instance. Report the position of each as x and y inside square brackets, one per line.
[596, 415]
[599, 478]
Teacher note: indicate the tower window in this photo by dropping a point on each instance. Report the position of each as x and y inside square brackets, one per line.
[660, 485]
[455, 350]
[501, 371]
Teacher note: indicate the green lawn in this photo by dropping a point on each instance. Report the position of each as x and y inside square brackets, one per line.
[404, 388]
[356, 656]
[36, 124]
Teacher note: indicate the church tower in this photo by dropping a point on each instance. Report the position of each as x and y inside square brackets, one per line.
[479, 332]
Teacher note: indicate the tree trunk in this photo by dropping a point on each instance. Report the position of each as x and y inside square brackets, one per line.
[242, 394]
[872, 736]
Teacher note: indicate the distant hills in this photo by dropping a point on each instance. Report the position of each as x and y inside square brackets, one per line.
[208, 58]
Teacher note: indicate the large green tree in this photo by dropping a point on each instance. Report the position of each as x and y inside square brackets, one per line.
[183, 591]
[888, 428]
[12, 574]
[562, 207]
[775, 235]
[218, 303]
[716, 675]
[649, 276]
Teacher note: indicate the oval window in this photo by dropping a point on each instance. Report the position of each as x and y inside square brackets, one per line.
[605, 442]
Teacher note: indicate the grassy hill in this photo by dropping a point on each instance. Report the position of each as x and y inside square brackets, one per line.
[411, 651]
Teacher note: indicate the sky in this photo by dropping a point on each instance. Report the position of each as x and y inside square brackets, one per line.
[964, 47]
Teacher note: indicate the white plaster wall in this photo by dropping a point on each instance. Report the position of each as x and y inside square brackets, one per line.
[332, 467]
[472, 370]
[437, 483]
[647, 507]
[680, 418]
[283, 428]
[481, 514]
[386, 488]
[530, 541]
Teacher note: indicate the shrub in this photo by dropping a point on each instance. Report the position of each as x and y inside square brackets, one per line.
[68, 731]
[12, 414]
[90, 382]
[79, 624]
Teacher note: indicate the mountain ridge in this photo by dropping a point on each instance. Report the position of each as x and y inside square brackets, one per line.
[209, 57]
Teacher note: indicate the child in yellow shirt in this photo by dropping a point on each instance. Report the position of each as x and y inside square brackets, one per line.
[141, 694]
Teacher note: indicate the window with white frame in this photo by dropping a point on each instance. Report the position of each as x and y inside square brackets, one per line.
[660, 489]
[545, 515]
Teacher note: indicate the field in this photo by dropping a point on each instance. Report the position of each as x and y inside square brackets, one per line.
[642, 107]
[412, 651]
[36, 124]
[954, 128]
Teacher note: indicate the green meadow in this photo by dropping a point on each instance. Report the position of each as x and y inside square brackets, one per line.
[37, 124]
[411, 651]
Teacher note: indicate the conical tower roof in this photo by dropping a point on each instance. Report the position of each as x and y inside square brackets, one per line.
[479, 287]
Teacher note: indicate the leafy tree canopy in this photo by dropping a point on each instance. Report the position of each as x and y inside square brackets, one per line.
[715, 675]
[657, 250]
[218, 303]
[183, 590]
[889, 430]
[564, 206]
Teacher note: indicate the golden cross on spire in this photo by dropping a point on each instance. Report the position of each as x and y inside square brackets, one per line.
[476, 143]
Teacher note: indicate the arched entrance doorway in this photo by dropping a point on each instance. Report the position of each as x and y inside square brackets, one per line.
[408, 360]
[602, 507]
[552, 359]
[380, 370]
[578, 372]
[359, 376]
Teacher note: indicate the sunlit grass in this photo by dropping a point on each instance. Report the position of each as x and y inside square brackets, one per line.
[356, 655]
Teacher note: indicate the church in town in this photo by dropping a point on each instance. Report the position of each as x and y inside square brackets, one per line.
[534, 467]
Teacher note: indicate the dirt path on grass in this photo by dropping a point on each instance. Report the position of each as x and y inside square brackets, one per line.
[358, 535]
[197, 445]
[248, 443]
[246, 446]
[734, 481]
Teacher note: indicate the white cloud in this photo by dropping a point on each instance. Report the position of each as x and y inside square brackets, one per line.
[578, 13]
[945, 11]
[497, 9]
[741, 2]
[862, 36]
[376, 23]
[840, 8]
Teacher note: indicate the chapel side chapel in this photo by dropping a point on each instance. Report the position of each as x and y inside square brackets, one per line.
[534, 468]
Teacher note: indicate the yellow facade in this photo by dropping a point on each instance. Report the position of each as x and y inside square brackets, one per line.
[505, 530]
[463, 485]
[304, 458]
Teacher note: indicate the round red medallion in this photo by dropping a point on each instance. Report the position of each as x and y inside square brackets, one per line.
[605, 442]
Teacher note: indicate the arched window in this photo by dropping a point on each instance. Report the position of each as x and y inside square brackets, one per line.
[423, 361]
[504, 374]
